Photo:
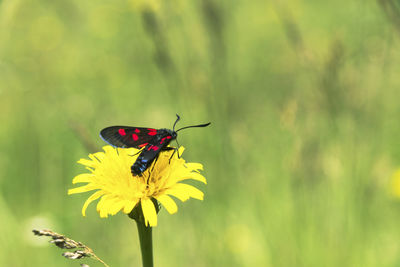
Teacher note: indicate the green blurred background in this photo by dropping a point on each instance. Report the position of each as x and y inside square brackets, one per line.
[303, 97]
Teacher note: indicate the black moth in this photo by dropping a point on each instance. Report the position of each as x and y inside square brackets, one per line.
[154, 141]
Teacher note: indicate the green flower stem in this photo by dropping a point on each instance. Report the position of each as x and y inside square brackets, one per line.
[145, 234]
[146, 243]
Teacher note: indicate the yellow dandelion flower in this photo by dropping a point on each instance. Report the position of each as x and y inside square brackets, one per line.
[110, 174]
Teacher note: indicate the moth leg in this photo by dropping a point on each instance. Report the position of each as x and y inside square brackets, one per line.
[177, 152]
[177, 149]
[168, 148]
[169, 162]
[136, 153]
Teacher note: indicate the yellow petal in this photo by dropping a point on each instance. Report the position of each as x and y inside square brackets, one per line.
[90, 169]
[98, 155]
[115, 207]
[87, 163]
[112, 153]
[82, 189]
[83, 178]
[184, 191]
[129, 205]
[194, 166]
[149, 212]
[92, 198]
[168, 203]
[197, 176]
[109, 149]
[103, 204]
[180, 150]
[94, 159]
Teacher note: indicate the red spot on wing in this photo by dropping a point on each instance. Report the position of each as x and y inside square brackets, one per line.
[169, 137]
[142, 145]
[135, 137]
[137, 130]
[121, 131]
[152, 131]
[155, 148]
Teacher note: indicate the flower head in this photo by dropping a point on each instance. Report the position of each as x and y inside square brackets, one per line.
[110, 174]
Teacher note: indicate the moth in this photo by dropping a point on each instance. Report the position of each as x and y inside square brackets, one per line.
[151, 141]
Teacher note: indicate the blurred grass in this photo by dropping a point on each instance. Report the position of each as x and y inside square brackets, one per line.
[303, 99]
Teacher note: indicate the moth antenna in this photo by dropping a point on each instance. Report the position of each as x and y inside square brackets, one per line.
[177, 119]
[192, 126]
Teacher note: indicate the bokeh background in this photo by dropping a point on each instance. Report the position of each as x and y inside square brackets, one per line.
[301, 157]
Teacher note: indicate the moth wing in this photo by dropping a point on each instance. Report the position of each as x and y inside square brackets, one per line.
[126, 136]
